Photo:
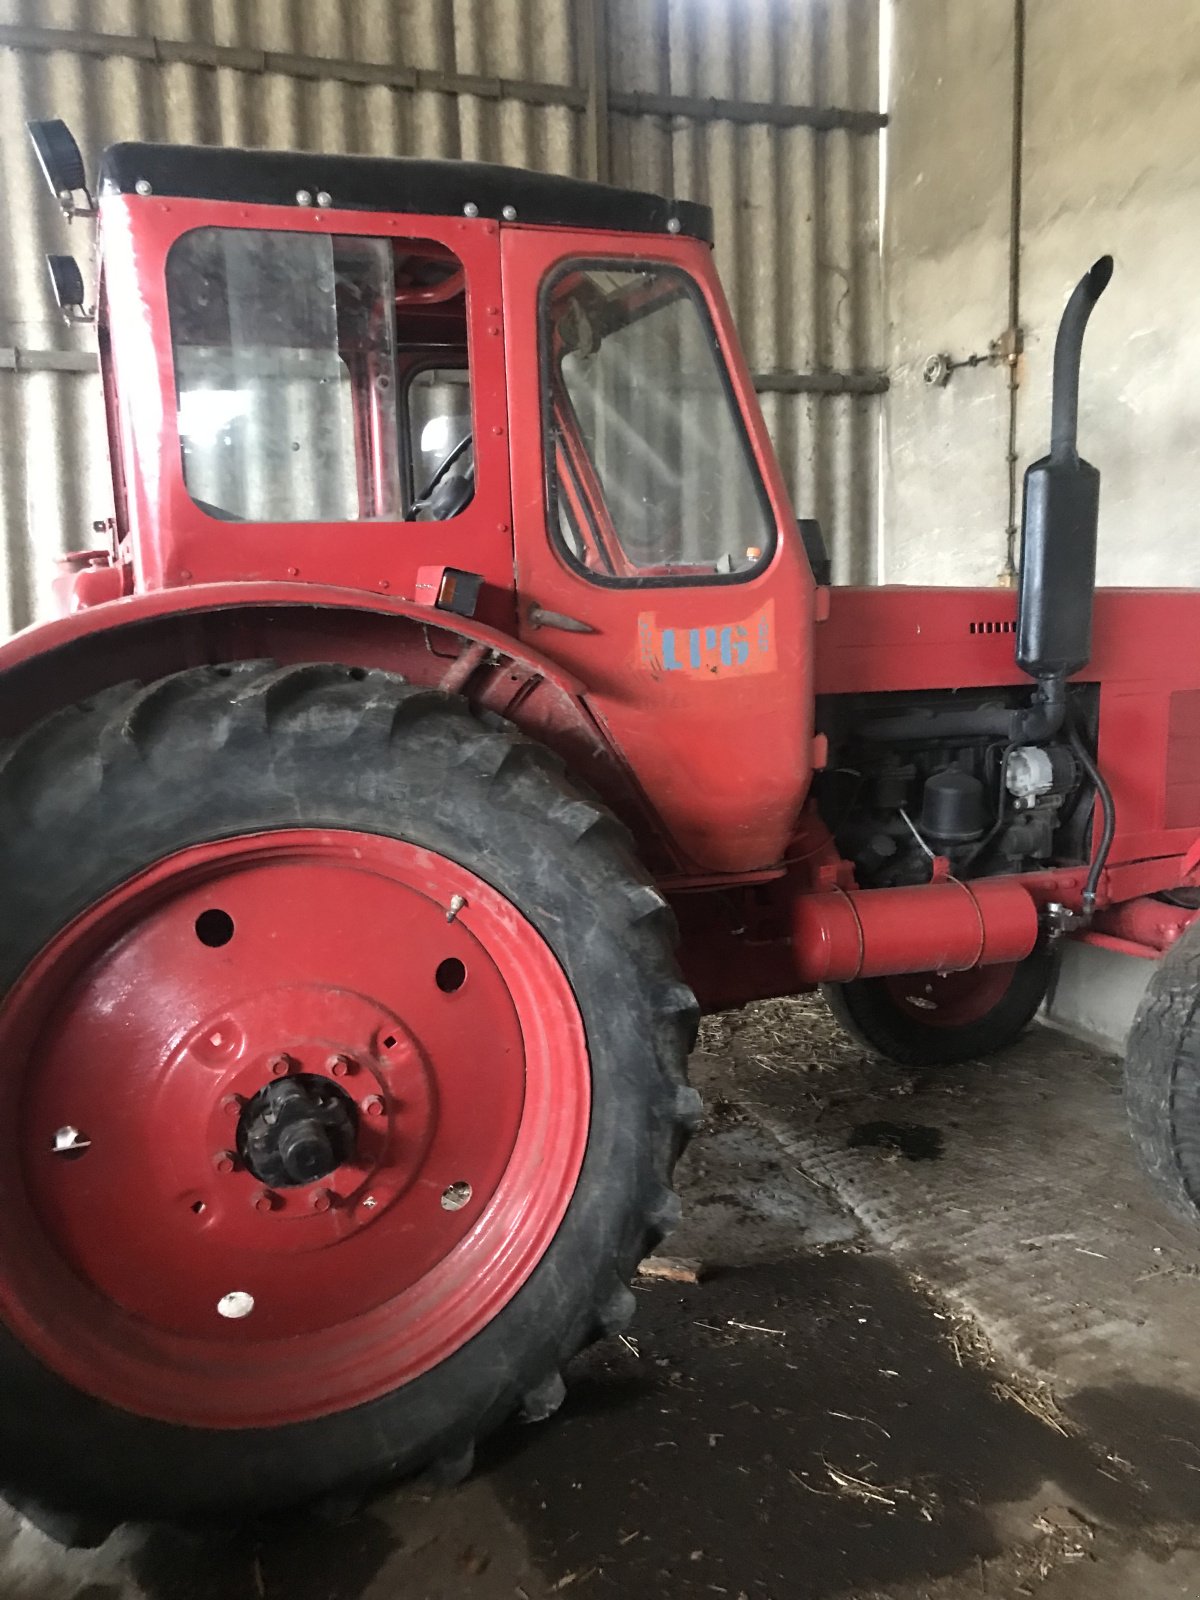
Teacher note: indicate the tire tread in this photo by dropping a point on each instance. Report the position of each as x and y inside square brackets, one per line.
[137, 726]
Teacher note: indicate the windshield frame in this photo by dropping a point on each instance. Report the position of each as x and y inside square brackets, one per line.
[689, 287]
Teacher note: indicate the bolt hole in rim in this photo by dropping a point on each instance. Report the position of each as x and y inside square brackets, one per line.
[450, 976]
[353, 1298]
[214, 928]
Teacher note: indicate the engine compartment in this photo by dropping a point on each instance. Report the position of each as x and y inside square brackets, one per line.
[984, 803]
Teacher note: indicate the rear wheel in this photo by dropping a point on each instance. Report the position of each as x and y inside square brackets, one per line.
[347, 1050]
[923, 1019]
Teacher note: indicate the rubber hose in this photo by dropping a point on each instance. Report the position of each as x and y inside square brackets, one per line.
[1108, 811]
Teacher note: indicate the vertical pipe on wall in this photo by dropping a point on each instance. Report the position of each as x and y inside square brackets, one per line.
[1012, 337]
[593, 19]
[887, 28]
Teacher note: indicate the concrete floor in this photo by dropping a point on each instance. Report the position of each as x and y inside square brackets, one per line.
[945, 1349]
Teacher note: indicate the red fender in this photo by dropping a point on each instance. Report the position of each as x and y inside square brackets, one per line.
[149, 635]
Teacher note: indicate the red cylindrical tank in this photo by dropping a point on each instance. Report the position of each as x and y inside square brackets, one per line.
[933, 927]
[1147, 924]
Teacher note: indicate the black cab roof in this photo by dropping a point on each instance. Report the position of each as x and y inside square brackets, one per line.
[396, 184]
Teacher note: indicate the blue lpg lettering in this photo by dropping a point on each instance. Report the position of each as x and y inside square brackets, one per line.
[706, 649]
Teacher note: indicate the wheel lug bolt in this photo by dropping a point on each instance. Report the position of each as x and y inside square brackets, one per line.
[280, 1066]
[322, 1200]
[232, 1104]
[341, 1066]
[224, 1161]
[265, 1202]
[373, 1105]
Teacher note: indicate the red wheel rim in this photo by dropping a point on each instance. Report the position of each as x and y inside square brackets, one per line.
[950, 999]
[365, 971]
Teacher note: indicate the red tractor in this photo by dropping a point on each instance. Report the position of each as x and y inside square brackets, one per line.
[456, 712]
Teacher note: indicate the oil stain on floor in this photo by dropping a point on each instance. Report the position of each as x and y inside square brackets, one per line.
[912, 1140]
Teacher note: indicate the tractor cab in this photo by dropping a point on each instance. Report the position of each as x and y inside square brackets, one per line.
[515, 396]
[293, 343]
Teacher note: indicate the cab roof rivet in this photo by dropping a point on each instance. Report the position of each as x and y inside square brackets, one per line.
[303, 197]
[470, 209]
[143, 186]
[509, 213]
[673, 224]
[324, 198]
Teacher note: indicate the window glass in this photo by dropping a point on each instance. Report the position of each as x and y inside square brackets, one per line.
[439, 431]
[651, 469]
[287, 372]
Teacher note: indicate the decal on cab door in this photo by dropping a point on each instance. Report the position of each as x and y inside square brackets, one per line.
[711, 649]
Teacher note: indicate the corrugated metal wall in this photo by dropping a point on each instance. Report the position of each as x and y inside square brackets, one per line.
[500, 80]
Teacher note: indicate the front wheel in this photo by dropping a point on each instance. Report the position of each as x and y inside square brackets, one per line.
[1162, 1076]
[344, 1049]
[935, 1019]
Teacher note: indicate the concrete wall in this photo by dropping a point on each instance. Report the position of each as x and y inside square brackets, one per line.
[1111, 163]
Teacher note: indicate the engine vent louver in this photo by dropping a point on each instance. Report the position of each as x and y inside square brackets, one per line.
[992, 627]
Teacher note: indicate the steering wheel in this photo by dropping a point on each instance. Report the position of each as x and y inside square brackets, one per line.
[424, 500]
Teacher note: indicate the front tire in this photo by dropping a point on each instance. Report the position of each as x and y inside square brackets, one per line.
[932, 1019]
[350, 1054]
[1162, 1076]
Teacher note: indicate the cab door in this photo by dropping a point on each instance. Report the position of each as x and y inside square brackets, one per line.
[656, 551]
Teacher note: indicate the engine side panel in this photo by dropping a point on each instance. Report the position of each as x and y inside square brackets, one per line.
[1146, 663]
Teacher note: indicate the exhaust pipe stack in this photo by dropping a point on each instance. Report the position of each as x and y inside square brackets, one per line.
[1060, 519]
[1058, 561]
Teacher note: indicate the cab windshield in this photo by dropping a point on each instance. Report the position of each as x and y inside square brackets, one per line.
[651, 472]
[320, 377]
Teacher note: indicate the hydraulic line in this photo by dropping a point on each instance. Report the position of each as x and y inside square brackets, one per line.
[1108, 812]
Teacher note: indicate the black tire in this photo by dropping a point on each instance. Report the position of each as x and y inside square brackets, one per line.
[101, 790]
[868, 1011]
[1162, 1076]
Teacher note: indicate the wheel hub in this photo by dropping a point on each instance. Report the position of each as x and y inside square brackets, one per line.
[297, 1130]
[950, 999]
[356, 1102]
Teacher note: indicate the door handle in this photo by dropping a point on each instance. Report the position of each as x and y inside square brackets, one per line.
[539, 617]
